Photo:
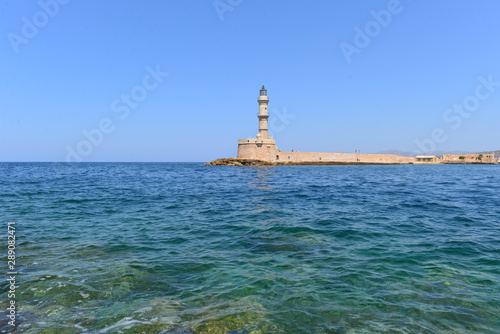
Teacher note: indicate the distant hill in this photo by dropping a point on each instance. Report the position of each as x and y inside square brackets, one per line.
[397, 152]
[497, 153]
[436, 153]
[414, 154]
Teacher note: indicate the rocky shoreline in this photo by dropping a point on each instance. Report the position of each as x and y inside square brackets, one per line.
[238, 162]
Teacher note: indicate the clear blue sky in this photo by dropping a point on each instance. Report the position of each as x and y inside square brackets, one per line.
[66, 70]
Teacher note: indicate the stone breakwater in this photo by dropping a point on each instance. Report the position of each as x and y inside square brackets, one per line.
[255, 162]
[468, 163]
[313, 158]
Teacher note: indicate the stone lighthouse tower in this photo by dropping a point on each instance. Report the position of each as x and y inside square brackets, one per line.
[263, 115]
[263, 147]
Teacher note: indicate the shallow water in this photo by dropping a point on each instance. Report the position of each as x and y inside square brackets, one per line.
[186, 248]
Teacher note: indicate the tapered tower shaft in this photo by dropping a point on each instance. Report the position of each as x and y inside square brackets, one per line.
[263, 114]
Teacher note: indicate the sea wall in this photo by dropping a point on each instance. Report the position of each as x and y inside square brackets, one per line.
[266, 150]
[294, 157]
[470, 158]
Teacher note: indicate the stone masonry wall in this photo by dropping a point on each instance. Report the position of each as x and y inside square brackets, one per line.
[266, 150]
[342, 157]
[257, 150]
[486, 158]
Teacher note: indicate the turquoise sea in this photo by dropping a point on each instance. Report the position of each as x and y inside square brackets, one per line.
[187, 248]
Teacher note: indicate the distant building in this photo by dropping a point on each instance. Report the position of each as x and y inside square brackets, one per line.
[427, 159]
[470, 158]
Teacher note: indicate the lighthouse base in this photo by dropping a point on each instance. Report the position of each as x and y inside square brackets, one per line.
[258, 149]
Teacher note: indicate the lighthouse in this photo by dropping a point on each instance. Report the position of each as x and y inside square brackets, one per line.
[263, 114]
[263, 146]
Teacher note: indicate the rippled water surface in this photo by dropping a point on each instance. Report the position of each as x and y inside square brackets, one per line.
[186, 248]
